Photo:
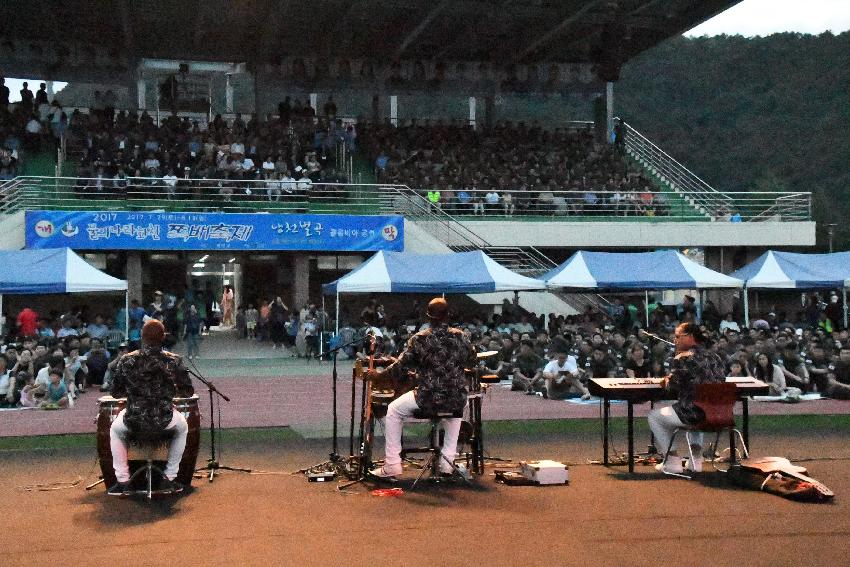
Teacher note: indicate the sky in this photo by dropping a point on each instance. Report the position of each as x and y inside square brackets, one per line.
[764, 17]
[748, 18]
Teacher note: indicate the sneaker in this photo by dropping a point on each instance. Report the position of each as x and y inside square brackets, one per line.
[117, 489]
[70, 401]
[585, 397]
[671, 465]
[171, 486]
[544, 393]
[386, 472]
[695, 464]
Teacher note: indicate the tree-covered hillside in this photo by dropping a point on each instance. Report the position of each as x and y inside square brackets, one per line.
[757, 114]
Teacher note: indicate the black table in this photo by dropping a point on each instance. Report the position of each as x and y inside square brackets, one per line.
[642, 390]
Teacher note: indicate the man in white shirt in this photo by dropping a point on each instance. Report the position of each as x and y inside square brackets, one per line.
[170, 182]
[562, 378]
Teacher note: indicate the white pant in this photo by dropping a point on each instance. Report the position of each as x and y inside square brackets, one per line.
[663, 422]
[403, 408]
[118, 432]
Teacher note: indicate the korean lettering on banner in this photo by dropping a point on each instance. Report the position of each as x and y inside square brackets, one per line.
[138, 232]
[220, 231]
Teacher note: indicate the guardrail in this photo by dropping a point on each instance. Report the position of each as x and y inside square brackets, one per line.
[751, 205]
[147, 193]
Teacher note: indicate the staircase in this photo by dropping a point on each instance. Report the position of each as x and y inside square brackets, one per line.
[674, 176]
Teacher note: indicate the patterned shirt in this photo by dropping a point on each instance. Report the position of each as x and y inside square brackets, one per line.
[439, 355]
[696, 366]
[150, 378]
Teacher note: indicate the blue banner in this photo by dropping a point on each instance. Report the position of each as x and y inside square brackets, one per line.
[111, 230]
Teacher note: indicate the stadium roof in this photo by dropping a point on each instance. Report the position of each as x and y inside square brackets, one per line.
[496, 31]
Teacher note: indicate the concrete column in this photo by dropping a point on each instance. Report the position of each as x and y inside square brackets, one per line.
[472, 111]
[394, 110]
[300, 280]
[141, 94]
[609, 115]
[134, 275]
[314, 102]
[228, 94]
[489, 110]
[49, 85]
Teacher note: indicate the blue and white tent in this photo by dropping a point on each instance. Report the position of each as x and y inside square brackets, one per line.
[459, 272]
[55, 270]
[788, 270]
[621, 271]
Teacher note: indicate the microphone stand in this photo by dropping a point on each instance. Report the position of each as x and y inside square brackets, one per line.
[213, 466]
[336, 463]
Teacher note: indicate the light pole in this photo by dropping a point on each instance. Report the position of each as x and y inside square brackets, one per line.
[830, 232]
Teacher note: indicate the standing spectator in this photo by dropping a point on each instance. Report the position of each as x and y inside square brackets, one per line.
[4, 94]
[251, 317]
[277, 322]
[27, 322]
[156, 309]
[193, 332]
[311, 336]
[227, 301]
[26, 98]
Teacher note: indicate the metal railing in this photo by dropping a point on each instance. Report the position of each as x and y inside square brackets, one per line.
[444, 212]
[713, 204]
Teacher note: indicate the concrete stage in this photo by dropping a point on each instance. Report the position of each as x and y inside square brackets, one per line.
[604, 517]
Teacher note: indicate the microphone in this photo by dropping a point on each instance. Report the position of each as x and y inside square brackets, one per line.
[656, 337]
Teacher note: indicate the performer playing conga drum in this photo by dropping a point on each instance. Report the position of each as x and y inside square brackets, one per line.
[149, 378]
[439, 355]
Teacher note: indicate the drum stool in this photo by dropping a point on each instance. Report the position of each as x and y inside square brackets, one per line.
[149, 447]
[435, 446]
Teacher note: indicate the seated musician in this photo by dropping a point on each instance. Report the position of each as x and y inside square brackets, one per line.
[150, 379]
[439, 355]
[693, 364]
[563, 379]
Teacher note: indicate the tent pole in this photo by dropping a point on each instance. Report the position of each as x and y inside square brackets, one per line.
[646, 306]
[322, 332]
[843, 297]
[746, 308]
[1, 315]
[127, 314]
[337, 312]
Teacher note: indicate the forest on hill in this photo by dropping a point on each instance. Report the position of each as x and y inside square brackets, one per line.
[751, 114]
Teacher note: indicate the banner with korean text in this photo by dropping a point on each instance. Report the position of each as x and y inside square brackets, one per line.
[111, 230]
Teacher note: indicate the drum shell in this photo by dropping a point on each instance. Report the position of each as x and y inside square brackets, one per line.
[108, 410]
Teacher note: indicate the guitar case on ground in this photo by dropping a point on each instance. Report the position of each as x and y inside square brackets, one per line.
[777, 475]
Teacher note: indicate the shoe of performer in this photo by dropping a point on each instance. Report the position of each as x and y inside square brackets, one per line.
[386, 472]
[695, 464]
[117, 489]
[544, 393]
[585, 397]
[171, 486]
[70, 401]
[672, 464]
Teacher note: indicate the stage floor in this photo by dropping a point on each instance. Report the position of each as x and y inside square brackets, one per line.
[604, 517]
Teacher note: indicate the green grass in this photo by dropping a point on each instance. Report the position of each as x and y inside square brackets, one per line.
[88, 440]
[761, 424]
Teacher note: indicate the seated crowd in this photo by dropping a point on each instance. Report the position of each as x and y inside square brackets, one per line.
[811, 354]
[510, 169]
[46, 362]
[124, 153]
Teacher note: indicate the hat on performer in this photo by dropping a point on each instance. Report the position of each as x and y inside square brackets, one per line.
[153, 332]
[438, 309]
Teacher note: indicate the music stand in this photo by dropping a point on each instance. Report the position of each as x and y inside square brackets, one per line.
[335, 463]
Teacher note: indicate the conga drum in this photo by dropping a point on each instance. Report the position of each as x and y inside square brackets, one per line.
[108, 410]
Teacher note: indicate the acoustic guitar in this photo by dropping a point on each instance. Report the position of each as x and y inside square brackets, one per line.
[770, 465]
